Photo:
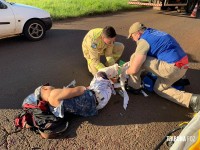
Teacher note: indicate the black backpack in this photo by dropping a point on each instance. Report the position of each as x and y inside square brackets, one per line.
[37, 116]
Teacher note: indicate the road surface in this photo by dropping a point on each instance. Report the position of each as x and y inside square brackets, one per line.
[58, 59]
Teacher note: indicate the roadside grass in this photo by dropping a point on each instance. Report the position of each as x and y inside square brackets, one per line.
[61, 9]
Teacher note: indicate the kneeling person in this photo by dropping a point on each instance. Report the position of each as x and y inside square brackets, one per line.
[98, 42]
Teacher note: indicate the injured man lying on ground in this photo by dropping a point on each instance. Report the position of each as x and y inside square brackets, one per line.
[45, 109]
[80, 100]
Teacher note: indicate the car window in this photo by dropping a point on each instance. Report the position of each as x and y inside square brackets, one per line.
[2, 6]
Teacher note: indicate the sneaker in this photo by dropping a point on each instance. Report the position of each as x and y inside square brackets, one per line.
[195, 102]
[132, 90]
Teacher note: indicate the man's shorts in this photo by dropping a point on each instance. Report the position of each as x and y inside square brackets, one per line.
[84, 105]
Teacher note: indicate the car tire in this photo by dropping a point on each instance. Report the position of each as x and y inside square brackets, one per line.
[34, 30]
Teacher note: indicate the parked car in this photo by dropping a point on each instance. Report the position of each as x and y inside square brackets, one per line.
[19, 19]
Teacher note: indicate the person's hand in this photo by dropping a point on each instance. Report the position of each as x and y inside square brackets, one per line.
[84, 88]
[126, 65]
[123, 71]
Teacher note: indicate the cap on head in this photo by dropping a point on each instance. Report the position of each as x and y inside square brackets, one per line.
[135, 27]
[37, 91]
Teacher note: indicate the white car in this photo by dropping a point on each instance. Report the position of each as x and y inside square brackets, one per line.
[19, 19]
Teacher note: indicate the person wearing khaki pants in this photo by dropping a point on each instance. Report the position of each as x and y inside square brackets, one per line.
[159, 53]
[98, 42]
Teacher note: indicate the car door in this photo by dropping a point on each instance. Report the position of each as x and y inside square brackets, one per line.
[7, 20]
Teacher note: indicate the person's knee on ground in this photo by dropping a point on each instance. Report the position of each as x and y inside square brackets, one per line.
[158, 91]
[170, 93]
[93, 72]
[194, 100]
[159, 88]
[92, 69]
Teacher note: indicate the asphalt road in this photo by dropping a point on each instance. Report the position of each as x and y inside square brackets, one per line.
[58, 59]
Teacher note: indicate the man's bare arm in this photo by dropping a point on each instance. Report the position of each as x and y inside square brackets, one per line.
[136, 64]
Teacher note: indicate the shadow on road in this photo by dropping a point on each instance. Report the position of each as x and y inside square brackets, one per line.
[58, 59]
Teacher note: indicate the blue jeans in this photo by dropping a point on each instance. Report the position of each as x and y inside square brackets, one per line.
[84, 105]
